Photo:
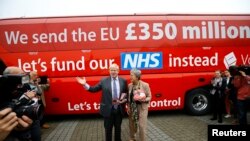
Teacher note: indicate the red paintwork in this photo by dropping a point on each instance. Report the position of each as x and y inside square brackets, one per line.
[170, 82]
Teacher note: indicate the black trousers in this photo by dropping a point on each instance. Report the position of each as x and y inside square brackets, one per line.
[217, 106]
[115, 120]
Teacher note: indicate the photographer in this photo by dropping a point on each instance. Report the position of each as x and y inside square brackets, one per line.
[243, 93]
[42, 84]
[34, 84]
[10, 123]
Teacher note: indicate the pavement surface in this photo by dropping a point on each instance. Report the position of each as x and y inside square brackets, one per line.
[162, 126]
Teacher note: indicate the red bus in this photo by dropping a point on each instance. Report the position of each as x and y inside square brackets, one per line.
[176, 53]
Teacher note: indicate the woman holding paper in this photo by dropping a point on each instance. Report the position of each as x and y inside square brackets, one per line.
[138, 102]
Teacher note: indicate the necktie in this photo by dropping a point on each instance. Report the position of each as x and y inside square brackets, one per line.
[115, 95]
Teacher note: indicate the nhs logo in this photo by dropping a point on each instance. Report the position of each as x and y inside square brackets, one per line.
[141, 60]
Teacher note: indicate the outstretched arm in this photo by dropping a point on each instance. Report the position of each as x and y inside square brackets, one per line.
[83, 82]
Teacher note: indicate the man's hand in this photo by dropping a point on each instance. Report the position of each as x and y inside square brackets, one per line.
[81, 81]
[121, 101]
[8, 120]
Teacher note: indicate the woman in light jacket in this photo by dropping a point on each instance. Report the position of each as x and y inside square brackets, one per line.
[139, 96]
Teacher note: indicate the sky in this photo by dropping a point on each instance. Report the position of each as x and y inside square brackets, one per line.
[52, 8]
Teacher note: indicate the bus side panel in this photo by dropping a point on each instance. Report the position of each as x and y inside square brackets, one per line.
[181, 71]
[66, 96]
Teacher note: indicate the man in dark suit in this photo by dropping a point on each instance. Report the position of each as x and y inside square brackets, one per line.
[112, 106]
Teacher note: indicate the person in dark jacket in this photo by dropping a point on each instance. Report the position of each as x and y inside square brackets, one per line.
[217, 92]
[112, 106]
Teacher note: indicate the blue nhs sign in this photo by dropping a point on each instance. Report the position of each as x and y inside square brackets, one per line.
[141, 60]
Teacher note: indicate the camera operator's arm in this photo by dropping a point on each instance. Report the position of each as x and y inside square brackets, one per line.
[247, 78]
[8, 120]
[45, 87]
[243, 73]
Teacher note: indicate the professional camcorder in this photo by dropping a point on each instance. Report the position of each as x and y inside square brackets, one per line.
[13, 89]
[235, 70]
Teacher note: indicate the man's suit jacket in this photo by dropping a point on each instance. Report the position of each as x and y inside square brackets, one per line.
[106, 99]
[145, 87]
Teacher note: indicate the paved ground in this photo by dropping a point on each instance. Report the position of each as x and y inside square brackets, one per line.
[162, 126]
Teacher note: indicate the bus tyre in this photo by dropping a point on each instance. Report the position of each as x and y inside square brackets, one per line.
[197, 102]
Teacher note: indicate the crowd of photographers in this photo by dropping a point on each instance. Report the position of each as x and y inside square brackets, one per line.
[22, 105]
[242, 85]
[231, 90]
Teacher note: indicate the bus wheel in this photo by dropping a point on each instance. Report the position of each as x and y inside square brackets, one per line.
[197, 102]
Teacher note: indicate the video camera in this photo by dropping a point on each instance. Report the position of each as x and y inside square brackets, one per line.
[13, 87]
[235, 70]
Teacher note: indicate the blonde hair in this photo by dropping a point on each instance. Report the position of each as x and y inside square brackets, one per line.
[114, 66]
